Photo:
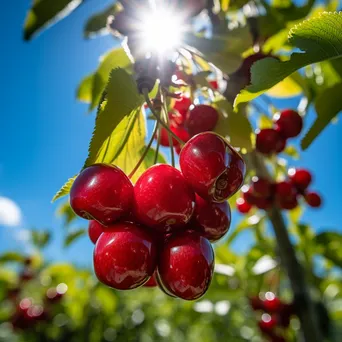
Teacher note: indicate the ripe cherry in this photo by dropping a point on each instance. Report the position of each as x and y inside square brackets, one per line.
[300, 178]
[288, 123]
[269, 141]
[180, 132]
[267, 324]
[201, 118]
[125, 256]
[263, 203]
[95, 229]
[262, 187]
[243, 206]
[313, 199]
[214, 84]
[152, 282]
[285, 189]
[186, 265]
[256, 303]
[182, 105]
[163, 199]
[103, 193]
[212, 220]
[272, 304]
[248, 195]
[288, 203]
[212, 167]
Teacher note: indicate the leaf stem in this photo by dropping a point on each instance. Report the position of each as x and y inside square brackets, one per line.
[157, 117]
[145, 152]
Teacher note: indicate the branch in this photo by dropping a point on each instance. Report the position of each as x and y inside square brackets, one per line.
[304, 305]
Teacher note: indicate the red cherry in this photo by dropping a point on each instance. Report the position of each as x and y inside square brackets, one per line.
[256, 303]
[212, 220]
[272, 304]
[214, 84]
[262, 187]
[212, 167]
[179, 131]
[186, 265]
[300, 178]
[263, 203]
[313, 199]
[151, 282]
[182, 105]
[125, 256]
[288, 203]
[285, 190]
[243, 206]
[95, 229]
[269, 141]
[248, 195]
[267, 324]
[163, 199]
[101, 192]
[288, 123]
[178, 149]
[201, 118]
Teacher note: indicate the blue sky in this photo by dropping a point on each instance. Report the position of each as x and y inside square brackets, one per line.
[45, 131]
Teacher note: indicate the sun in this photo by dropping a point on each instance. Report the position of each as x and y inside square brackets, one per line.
[161, 30]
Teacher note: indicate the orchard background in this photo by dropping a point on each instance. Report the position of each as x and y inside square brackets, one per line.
[46, 257]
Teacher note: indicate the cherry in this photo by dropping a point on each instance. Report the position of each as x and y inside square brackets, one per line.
[214, 84]
[263, 203]
[262, 187]
[300, 178]
[248, 195]
[212, 220]
[212, 167]
[182, 105]
[186, 265]
[313, 199]
[201, 118]
[289, 203]
[243, 206]
[95, 229]
[269, 141]
[272, 304]
[267, 324]
[178, 149]
[288, 123]
[101, 192]
[256, 303]
[163, 199]
[125, 256]
[285, 190]
[152, 282]
[178, 131]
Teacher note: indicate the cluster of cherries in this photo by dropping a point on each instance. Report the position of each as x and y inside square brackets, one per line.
[287, 124]
[275, 315]
[187, 120]
[27, 313]
[263, 194]
[163, 225]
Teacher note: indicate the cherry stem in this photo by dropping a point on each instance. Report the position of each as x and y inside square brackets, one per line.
[166, 118]
[145, 152]
[158, 145]
[157, 117]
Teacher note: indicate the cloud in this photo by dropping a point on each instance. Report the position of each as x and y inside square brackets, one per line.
[10, 213]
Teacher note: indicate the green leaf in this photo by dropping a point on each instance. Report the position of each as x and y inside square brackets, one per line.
[66, 212]
[65, 189]
[45, 13]
[119, 132]
[291, 151]
[264, 122]
[97, 23]
[73, 236]
[234, 126]
[84, 90]
[223, 50]
[11, 257]
[116, 58]
[328, 104]
[329, 245]
[40, 238]
[319, 38]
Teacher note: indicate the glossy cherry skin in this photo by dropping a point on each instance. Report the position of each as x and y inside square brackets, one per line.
[212, 167]
[186, 265]
[269, 141]
[163, 199]
[288, 203]
[300, 178]
[313, 199]
[201, 118]
[248, 194]
[152, 282]
[95, 229]
[103, 193]
[243, 206]
[180, 132]
[285, 189]
[263, 203]
[183, 105]
[212, 220]
[273, 305]
[288, 123]
[262, 187]
[267, 325]
[125, 256]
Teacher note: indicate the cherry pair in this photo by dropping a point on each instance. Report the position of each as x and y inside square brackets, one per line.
[168, 221]
[287, 124]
